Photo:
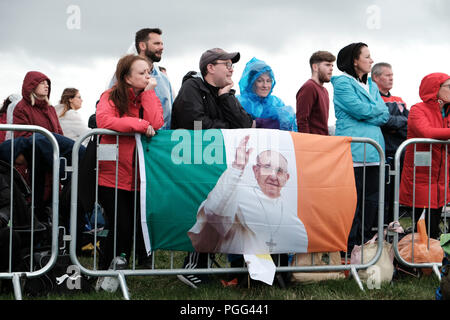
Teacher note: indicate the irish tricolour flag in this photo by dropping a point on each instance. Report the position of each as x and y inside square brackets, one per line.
[250, 191]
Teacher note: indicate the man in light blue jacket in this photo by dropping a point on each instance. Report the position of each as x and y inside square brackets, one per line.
[360, 111]
[148, 44]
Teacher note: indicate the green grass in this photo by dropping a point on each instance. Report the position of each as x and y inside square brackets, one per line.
[345, 289]
[170, 288]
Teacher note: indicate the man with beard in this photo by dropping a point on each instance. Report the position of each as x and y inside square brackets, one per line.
[149, 45]
[312, 99]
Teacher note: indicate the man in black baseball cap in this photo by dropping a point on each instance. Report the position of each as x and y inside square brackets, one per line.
[209, 98]
[207, 101]
[212, 55]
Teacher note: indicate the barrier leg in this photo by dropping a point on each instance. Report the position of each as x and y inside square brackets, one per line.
[357, 279]
[436, 271]
[16, 286]
[123, 286]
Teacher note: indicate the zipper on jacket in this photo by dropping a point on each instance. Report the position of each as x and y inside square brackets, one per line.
[445, 125]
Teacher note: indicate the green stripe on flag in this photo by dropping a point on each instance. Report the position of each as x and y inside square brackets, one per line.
[182, 167]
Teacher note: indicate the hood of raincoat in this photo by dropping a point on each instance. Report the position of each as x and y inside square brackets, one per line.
[429, 87]
[345, 59]
[31, 81]
[252, 71]
[270, 107]
[190, 75]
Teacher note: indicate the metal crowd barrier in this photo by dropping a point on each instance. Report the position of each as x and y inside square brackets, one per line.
[110, 152]
[16, 276]
[421, 159]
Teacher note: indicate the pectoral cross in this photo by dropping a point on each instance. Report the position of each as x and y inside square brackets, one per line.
[271, 244]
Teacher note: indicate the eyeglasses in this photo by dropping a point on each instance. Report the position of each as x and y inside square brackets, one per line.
[268, 169]
[229, 65]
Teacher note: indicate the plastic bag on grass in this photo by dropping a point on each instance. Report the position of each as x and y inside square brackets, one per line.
[422, 253]
[320, 259]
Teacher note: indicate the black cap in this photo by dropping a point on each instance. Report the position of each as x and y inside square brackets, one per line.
[214, 54]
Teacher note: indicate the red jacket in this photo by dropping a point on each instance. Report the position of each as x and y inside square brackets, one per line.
[2, 121]
[108, 118]
[41, 114]
[426, 121]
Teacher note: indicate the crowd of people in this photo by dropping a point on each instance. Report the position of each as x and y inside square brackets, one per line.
[141, 100]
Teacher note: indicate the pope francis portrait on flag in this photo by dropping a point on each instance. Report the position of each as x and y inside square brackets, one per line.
[244, 217]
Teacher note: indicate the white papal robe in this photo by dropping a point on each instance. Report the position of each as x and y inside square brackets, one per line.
[237, 217]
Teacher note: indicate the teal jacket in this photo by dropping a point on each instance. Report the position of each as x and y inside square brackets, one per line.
[359, 114]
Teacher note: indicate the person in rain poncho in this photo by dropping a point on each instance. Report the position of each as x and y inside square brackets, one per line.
[256, 86]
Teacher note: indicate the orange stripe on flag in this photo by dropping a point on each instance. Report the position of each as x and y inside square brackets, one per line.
[326, 189]
[422, 229]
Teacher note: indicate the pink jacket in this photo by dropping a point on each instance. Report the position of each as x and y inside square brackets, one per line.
[108, 118]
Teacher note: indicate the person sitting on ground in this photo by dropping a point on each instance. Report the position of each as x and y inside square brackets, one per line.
[256, 86]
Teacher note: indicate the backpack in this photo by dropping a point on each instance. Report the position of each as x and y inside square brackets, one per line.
[21, 203]
[21, 200]
[51, 281]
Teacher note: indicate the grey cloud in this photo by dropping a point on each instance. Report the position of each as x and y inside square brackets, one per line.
[108, 27]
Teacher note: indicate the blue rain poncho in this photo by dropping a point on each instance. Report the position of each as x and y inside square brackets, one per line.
[269, 112]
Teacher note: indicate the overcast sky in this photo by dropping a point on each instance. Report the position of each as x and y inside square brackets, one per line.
[78, 43]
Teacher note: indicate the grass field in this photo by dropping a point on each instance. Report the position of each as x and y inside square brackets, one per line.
[404, 287]
[170, 288]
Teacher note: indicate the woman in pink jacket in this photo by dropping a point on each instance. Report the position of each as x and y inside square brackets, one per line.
[130, 106]
[428, 119]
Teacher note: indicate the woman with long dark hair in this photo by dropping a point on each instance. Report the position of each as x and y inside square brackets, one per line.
[360, 111]
[132, 106]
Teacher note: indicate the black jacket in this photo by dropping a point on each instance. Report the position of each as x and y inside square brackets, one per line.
[395, 130]
[197, 101]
